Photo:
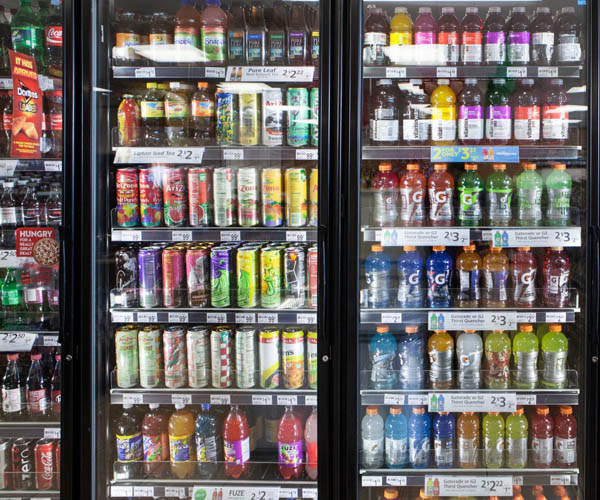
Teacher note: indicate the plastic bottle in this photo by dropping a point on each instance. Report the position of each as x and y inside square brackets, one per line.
[236, 37]
[526, 109]
[470, 113]
[493, 440]
[53, 29]
[556, 271]
[202, 123]
[410, 278]
[516, 439]
[181, 442]
[497, 360]
[187, 25]
[523, 271]
[554, 350]
[256, 36]
[396, 439]
[11, 292]
[384, 123]
[37, 391]
[494, 36]
[382, 351]
[425, 27]
[401, 28]
[555, 113]
[130, 453]
[530, 187]
[290, 445]
[372, 434]
[499, 188]
[542, 37]
[467, 434]
[498, 123]
[411, 357]
[471, 28]
[568, 45]
[565, 438]
[277, 36]
[155, 440]
[376, 31]
[495, 277]
[439, 278]
[177, 113]
[412, 196]
[386, 187]
[13, 391]
[447, 29]
[468, 272]
[236, 441]
[470, 189]
[441, 353]
[298, 37]
[28, 34]
[443, 114]
[419, 438]
[444, 432]
[415, 118]
[558, 196]
[377, 272]
[441, 192]
[213, 33]
[152, 112]
[518, 37]
[542, 438]
[469, 351]
[311, 445]
[208, 442]
[55, 388]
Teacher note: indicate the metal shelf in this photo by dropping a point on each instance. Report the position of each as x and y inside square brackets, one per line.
[46, 83]
[483, 72]
[184, 488]
[45, 494]
[30, 430]
[11, 166]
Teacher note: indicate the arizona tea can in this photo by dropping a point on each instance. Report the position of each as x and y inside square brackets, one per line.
[197, 265]
[128, 203]
[293, 358]
[313, 277]
[125, 293]
[249, 130]
[311, 352]
[221, 354]
[272, 197]
[247, 277]
[151, 208]
[224, 194]
[294, 277]
[174, 275]
[151, 357]
[150, 276]
[126, 353]
[175, 196]
[245, 357]
[268, 358]
[175, 357]
[298, 112]
[199, 188]
[248, 196]
[270, 277]
[221, 270]
[296, 197]
[314, 117]
[198, 356]
[227, 118]
[313, 198]
[272, 117]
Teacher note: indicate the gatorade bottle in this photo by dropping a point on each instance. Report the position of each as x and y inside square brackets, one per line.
[412, 196]
[441, 187]
[385, 114]
[372, 433]
[382, 351]
[542, 438]
[518, 37]
[385, 186]
[516, 439]
[499, 189]
[396, 439]
[469, 351]
[568, 46]
[467, 434]
[181, 442]
[493, 440]
[523, 271]
[290, 444]
[376, 33]
[495, 277]
[419, 436]
[441, 353]
[468, 272]
[425, 27]
[557, 268]
[530, 187]
[470, 113]
[555, 113]
[410, 279]
[187, 25]
[444, 431]
[401, 28]
[411, 355]
[497, 360]
[526, 107]
[542, 37]
[236, 440]
[555, 347]
[448, 34]
[470, 187]
[565, 438]
[213, 33]
[558, 196]
[439, 278]
[471, 29]
[377, 272]
[494, 36]
[498, 124]
[443, 114]
[415, 117]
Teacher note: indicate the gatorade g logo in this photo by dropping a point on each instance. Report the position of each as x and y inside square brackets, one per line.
[527, 278]
[440, 279]
[417, 196]
[440, 197]
[466, 198]
[413, 279]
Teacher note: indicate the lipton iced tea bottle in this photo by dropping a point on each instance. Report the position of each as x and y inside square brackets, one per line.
[177, 112]
[181, 442]
[376, 33]
[468, 270]
[187, 24]
[385, 114]
[386, 187]
[401, 28]
[471, 28]
[412, 196]
[415, 118]
[213, 33]
[526, 108]
[448, 34]
[494, 37]
[470, 113]
[441, 188]
[443, 114]
[495, 277]
[467, 430]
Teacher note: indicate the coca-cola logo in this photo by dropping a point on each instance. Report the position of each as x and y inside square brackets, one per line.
[54, 35]
[48, 464]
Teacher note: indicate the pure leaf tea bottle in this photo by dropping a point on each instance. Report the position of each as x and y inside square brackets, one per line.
[277, 38]
[236, 37]
[297, 38]
[256, 37]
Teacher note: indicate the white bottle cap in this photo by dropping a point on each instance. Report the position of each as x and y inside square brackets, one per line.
[443, 82]
[471, 81]
[447, 10]
[472, 10]
[400, 10]
[424, 10]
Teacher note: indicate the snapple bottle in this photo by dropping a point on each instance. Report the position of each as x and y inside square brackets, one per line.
[494, 37]
[526, 107]
[470, 113]
[448, 34]
[425, 27]
[471, 28]
[441, 188]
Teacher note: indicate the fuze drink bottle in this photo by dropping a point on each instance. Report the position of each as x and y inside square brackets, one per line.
[530, 187]
[471, 28]
[526, 108]
[289, 445]
[497, 360]
[470, 113]
[236, 440]
[499, 187]
[412, 196]
[565, 438]
[396, 439]
[516, 439]
[410, 278]
[468, 271]
[439, 278]
[311, 445]
[542, 37]
[377, 271]
[523, 271]
[498, 119]
[518, 37]
[382, 352]
[444, 431]
[493, 440]
[555, 347]
[411, 357]
[386, 188]
[441, 189]
[419, 437]
[448, 34]
[155, 434]
[425, 27]
[495, 277]
[494, 37]
[470, 188]
[556, 271]
[467, 431]
[542, 438]
[441, 353]
[558, 196]
[443, 114]
[469, 351]
[377, 29]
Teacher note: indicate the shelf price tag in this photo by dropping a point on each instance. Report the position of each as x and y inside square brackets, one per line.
[236, 492]
[370, 481]
[122, 317]
[393, 399]
[182, 399]
[526, 317]
[121, 491]
[7, 167]
[16, 341]
[393, 72]
[145, 73]
[127, 235]
[394, 237]
[270, 74]
[287, 400]
[516, 72]
[127, 155]
[262, 399]
[51, 432]
[50, 341]
[477, 402]
[547, 72]
[396, 480]
[133, 399]
[220, 399]
[288, 492]
[181, 235]
[472, 320]
[510, 238]
[295, 236]
[307, 154]
[560, 480]
[468, 485]
[177, 492]
[147, 317]
[306, 319]
[143, 491]
[245, 318]
[310, 400]
[216, 317]
[178, 317]
[53, 166]
[214, 72]
[230, 236]
[233, 154]
[556, 317]
[446, 72]
[269, 318]
[391, 317]
[526, 399]
[310, 492]
[417, 399]
[8, 258]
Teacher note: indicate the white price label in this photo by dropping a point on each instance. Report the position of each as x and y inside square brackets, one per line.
[172, 491]
[310, 400]
[50, 341]
[181, 399]
[53, 166]
[560, 480]
[369, 481]
[547, 72]
[396, 480]
[472, 320]
[8, 258]
[516, 72]
[310, 492]
[393, 399]
[178, 317]
[133, 399]
[130, 236]
[220, 399]
[395, 72]
[147, 317]
[556, 317]
[393, 237]
[288, 492]
[216, 317]
[7, 167]
[262, 399]
[391, 317]
[230, 236]
[526, 317]
[145, 73]
[446, 72]
[526, 399]
[270, 74]
[468, 485]
[307, 154]
[417, 399]
[122, 317]
[295, 236]
[181, 235]
[16, 341]
[512, 238]
[126, 155]
[245, 318]
[287, 400]
[121, 491]
[233, 154]
[477, 402]
[306, 319]
[51, 432]
[269, 318]
[214, 72]
[143, 491]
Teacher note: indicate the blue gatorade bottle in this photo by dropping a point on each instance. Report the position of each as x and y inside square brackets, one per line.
[439, 276]
[419, 437]
[444, 431]
[382, 350]
[411, 355]
[396, 439]
[377, 270]
[410, 278]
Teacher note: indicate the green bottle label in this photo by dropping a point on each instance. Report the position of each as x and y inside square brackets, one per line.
[27, 37]
[10, 297]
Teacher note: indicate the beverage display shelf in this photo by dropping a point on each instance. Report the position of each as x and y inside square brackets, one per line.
[30, 430]
[483, 72]
[16, 494]
[24, 340]
[10, 166]
[45, 82]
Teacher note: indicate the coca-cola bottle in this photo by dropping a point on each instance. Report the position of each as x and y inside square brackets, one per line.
[37, 390]
[7, 117]
[13, 391]
[31, 212]
[54, 206]
[55, 393]
[54, 40]
[8, 216]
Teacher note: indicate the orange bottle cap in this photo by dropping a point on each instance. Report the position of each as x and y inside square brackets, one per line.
[499, 166]
[395, 410]
[469, 413]
[469, 248]
[495, 249]
[529, 166]
[411, 329]
[525, 328]
[542, 410]
[470, 166]
[422, 494]
[566, 410]
[372, 410]
[524, 249]
[418, 410]
[385, 167]
[202, 85]
[409, 248]
[518, 411]
[557, 249]
[440, 166]
[498, 331]
[440, 331]
[469, 331]
[376, 248]
[555, 328]
[491, 413]
[390, 493]
[439, 248]
[383, 328]
[412, 166]
[559, 166]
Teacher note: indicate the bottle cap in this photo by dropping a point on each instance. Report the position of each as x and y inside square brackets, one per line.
[440, 166]
[411, 329]
[154, 406]
[390, 493]
[529, 166]
[440, 331]
[518, 9]
[443, 412]
[557, 249]
[416, 81]
[472, 10]
[518, 411]
[395, 410]
[469, 248]
[468, 413]
[495, 249]
[412, 166]
[12, 357]
[57, 357]
[202, 85]
[471, 81]
[409, 248]
[439, 248]
[400, 10]
[376, 248]
[447, 10]
[383, 328]
[542, 410]
[126, 406]
[385, 166]
[422, 494]
[470, 166]
[555, 328]
[525, 327]
[174, 85]
[543, 9]
[568, 9]
[179, 406]
[527, 81]
[469, 331]
[443, 81]
[559, 166]
[524, 249]
[151, 85]
[418, 410]
[494, 413]
[566, 410]
[556, 81]
[36, 357]
[494, 9]
[498, 331]
[499, 81]
[499, 166]
[426, 10]
[371, 410]
[384, 81]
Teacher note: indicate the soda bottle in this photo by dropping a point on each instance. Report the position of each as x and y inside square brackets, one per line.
[11, 292]
[555, 347]
[444, 432]
[425, 27]
[411, 357]
[152, 112]
[448, 35]
[555, 113]
[203, 119]
[188, 22]
[208, 442]
[236, 37]
[469, 351]
[289, 445]
[498, 122]
[396, 439]
[542, 37]
[181, 442]
[384, 114]
[236, 440]
[441, 188]
[518, 37]
[277, 37]
[530, 187]
[523, 270]
[297, 37]
[558, 196]
[565, 438]
[526, 106]
[372, 434]
[256, 36]
[497, 357]
[495, 277]
[443, 114]
[470, 113]
[177, 113]
[54, 40]
[213, 33]
[556, 272]
[28, 34]
[410, 278]
[568, 45]
[401, 28]
[470, 187]
[31, 212]
[130, 452]
[37, 390]
[467, 434]
[382, 352]
[439, 278]
[386, 188]
[376, 38]
[310, 445]
[468, 272]
[471, 29]
[377, 272]
[419, 437]
[415, 120]
[542, 438]
[516, 439]
[494, 36]
[155, 440]
[499, 196]
[5, 43]
[55, 389]
[13, 391]
[412, 196]
[441, 353]
[493, 440]
[55, 100]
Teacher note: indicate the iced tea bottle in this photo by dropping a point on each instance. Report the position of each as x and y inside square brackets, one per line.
[412, 196]
[470, 113]
[495, 277]
[187, 25]
[441, 189]
[182, 448]
[213, 33]
[468, 270]
[376, 33]
[443, 115]
[236, 37]
[401, 28]
[526, 108]
[256, 36]
[277, 36]
[425, 28]
[542, 37]
[202, 126]
[555, 113]
[297, 37]
[518, 37]
[467, 430]
[494, 37]
[471, 27]
[498, 123]
[448, 34]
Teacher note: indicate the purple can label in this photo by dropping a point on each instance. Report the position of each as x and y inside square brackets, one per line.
[519, 37]
[290, 454]
[495, 37]
[424, 38]
[470, 112]
[150, 276]
[237, 452]
[498, 112]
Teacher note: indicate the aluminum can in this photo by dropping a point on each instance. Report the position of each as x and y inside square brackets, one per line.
[151, 356]
[313, 277]
[221, 276]
[292, 358]
[248, 196]
[174, 276]
[23, 463]
[272, 117]
[249, 131]
[197, 264]
[128, 197]
[57, 458]
[247, 276]
[298, 117]
[125, 293]
[150, 275]
[268, 358]
[199, 189]
[175, 358]
[272, 197]
[227, 118]
[5, 464]
[221, 354]
[175, 197]
[314, 117]
[294, 277]
[45, 465]
[198, 357]
[296, 197]
[313, 198]
[311, 352]
[270, 278]
[151, 207]
[127, 357]
[245, 357]
[224, 195]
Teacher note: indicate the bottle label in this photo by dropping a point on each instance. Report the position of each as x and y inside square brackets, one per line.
[412, 208]
[471, 48]
[206, 448]
[129, 448]
[235, 44]
[160, 39]
[441, 365]
[424, 38]
[373, 50]
[214, 43]
[530, 204]
[297, 41]
[559, 204]
[290, 454]
[378, 286]
[372, 450]
[276, 46]
[451, 41]
[517, 451]
[382, 365]
[255, 44]
[176, 109]
[237, 452]
[555, 123]
[186, 36]
[524, 292]
[498, 122]
[419, 450]
[542, 47]
[271, 430]
[469, 204]
[541, 450]
[495, 47]
[416, 128]
[443, 123]
[311, 454]
[31, 38]
[386, 210]
[440, 202]
[569, 49]
[54, 36]
[128, 39]
[467, 450]
[400, 38]
[409, 291]
[8, 215]
[469, 367]
[180, 448]
[34, 295]
[527, 123]
[469, 285]
[497, 365]
[154, 447]
[438, 291]
[56, 121]
[566, 450]
[495, 284]
[499, 201]
[37, 401]
[555, 367]
[10, 297]
[384, 130]
[315, 46]
[203, 109]
[518, 46]
[470, 122]
[152, 109]
[443, 449]
[396, 451]
[7, 119]
[493, 450]
[12, 400]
